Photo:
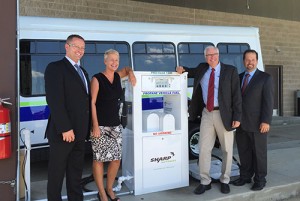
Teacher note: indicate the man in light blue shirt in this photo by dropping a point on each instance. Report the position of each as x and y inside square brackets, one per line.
[217, 99]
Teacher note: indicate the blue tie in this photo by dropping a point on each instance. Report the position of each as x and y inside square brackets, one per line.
[80, 74]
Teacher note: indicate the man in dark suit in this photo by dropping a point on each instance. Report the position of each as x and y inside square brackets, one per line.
[217, 98]
[251, 136]
[67, 94]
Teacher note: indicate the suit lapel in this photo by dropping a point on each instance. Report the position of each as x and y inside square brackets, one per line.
[87, 78]
[241, 78]
[201, 73]
[222, 76]
[254, 78]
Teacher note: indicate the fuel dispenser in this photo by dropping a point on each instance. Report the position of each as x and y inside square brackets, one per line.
[155, 141]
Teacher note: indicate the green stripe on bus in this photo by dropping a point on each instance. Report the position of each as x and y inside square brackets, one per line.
[33, 103]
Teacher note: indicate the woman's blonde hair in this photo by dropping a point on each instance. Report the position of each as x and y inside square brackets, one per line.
[110, 51]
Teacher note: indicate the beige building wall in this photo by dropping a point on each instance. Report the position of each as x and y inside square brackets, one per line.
[274, 33]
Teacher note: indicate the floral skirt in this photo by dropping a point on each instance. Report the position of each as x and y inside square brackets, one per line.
[107, 147]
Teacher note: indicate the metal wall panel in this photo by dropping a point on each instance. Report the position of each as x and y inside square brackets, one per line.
[8, 89]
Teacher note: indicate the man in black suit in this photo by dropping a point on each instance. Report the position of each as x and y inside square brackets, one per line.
[221, 114]
[67, 94]
[251, 136]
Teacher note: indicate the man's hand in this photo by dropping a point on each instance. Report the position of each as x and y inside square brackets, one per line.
[235, 124]
[264, 127]
[68, 136]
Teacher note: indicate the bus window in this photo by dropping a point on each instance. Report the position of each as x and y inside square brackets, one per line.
[191, 55]
[35, 55]
[232, 53]
[47, 47]
[154, 56]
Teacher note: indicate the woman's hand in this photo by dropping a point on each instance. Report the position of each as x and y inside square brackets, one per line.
[132, 78]
[96, 132]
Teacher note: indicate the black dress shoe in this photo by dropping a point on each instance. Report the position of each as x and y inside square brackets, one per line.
[258, 186]
[241, 182]
[202, 188]
[225, 188]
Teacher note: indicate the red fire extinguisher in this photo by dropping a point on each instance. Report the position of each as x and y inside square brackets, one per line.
[5, 131]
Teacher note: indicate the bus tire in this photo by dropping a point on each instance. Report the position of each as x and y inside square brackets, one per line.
[193, 142]
[194, 133]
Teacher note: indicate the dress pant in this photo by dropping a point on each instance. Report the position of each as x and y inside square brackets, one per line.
[252, 148]
[212, 126]
[65, 159]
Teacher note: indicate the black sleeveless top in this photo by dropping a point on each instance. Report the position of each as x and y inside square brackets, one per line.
[107, 103]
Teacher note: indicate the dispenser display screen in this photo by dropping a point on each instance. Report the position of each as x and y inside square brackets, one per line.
[152, 103]
[160, 83]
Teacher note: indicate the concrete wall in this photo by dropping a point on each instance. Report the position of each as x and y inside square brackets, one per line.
[275, 33]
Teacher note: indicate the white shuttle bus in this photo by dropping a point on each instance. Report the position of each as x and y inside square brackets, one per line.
[143, 46]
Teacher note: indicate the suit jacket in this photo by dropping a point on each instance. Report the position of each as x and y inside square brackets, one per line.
[68, 101]
[229, 94]
[258, 100]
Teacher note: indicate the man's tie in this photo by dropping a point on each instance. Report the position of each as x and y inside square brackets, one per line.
[245, 83]
[80, 74]
[210, 94]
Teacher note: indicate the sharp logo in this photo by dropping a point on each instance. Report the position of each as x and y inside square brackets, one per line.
[163, 159]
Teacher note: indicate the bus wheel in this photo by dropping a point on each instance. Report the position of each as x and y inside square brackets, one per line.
[193, 143]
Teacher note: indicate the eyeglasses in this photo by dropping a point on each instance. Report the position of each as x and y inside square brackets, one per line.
[211, 55]
[77, 47]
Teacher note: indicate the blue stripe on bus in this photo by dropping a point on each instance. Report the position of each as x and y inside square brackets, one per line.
[34, 113]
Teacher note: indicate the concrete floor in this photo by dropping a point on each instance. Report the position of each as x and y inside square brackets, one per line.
[283, 180]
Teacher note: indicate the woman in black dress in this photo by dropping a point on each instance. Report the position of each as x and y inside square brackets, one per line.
[106, 135]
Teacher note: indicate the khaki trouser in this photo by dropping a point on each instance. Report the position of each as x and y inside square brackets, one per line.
[210, 127]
